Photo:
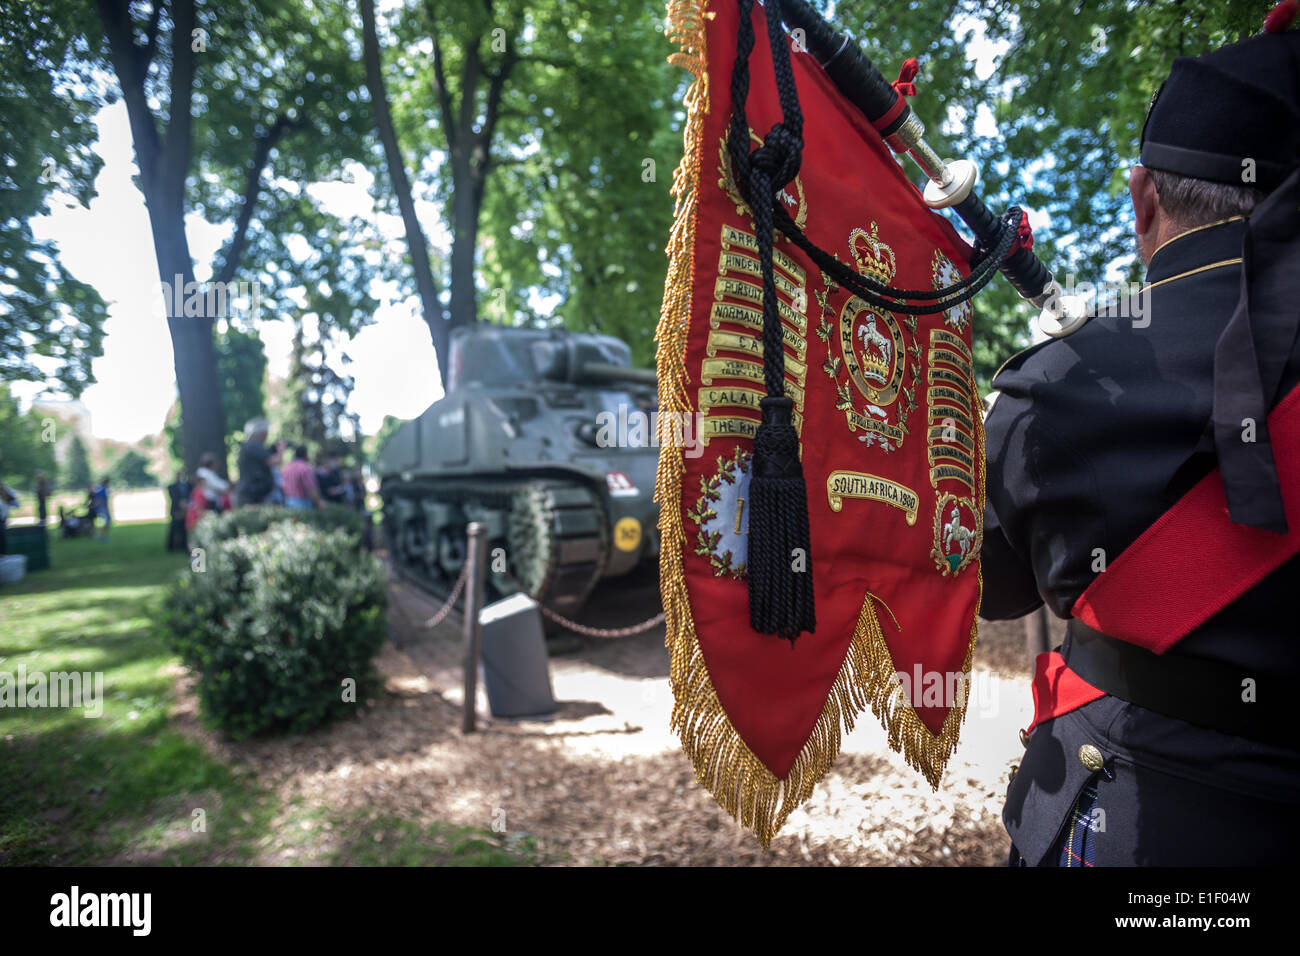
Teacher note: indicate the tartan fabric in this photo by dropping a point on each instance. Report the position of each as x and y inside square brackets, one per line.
[1078, 845]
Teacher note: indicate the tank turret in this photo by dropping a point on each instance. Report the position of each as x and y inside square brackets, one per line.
[547, 437]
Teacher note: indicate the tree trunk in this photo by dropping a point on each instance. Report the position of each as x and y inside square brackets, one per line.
[464, 244]
[203, 420]
[416, 242]
[163, 168]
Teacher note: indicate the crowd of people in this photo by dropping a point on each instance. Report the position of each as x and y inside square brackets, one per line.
[265, 477]
[93, 518]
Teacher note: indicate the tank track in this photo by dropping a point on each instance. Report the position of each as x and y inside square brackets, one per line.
[553, 532]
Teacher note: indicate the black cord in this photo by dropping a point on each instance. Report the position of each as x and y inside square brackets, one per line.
[761, 173]
[779, 563]
[896, 300]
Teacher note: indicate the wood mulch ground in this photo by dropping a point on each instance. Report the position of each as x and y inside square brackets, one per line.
[605, 781]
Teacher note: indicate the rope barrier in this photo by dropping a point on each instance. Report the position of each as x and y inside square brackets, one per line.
[603, 631]
[586, 630]
[443, 611]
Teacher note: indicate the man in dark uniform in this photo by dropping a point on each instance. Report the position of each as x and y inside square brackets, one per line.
[178, 495]
[1186, 756]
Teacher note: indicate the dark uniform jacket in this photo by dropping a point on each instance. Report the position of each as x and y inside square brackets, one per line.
[255, 480]
[1091, 439]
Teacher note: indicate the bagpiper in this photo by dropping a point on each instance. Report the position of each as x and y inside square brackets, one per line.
[1143, 480]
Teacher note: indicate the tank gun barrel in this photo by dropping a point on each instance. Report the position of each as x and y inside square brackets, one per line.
[609, 372]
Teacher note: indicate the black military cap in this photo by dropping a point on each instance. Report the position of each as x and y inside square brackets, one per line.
[1236, 104]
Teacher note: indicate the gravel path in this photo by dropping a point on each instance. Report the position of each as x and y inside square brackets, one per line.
[606, 783]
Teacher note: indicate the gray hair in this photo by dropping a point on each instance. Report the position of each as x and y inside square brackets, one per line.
[256, 426]
[1198, 202]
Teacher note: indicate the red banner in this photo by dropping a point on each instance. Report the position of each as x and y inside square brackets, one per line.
[892, 447]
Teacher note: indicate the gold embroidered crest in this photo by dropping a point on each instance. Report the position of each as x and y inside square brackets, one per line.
[719, 514]
[958, 534]
[871, 356]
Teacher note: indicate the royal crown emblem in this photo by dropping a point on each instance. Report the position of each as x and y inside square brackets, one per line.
[874, 358]
[873, 258]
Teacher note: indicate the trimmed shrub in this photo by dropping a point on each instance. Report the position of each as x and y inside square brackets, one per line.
[275, 625]
[216, 528]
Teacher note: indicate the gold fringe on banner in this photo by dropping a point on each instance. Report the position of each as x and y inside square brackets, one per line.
[724, 765]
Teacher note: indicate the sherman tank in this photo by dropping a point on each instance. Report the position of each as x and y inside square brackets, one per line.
[547, 437]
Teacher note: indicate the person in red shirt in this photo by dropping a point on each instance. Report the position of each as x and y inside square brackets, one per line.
[300, 488]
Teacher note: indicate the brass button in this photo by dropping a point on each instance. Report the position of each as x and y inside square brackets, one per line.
[1014, 771]
[1024, 738]
[1091, 758]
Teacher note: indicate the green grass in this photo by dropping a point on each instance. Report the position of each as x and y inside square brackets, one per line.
[124, 787]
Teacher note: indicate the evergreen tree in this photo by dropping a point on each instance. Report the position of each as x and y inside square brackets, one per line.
[78, 467]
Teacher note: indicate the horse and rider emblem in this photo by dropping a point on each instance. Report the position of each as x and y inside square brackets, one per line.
[874, 358]
[957, 534]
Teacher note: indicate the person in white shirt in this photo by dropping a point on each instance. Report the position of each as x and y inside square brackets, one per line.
[214, 486]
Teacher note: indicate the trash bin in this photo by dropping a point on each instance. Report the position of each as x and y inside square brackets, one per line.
[516, 669]
[12, 568]
[32, 541]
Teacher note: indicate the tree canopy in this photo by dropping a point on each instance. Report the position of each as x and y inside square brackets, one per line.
[51, 324]
[543, 133]
[550, 131]
[26, 445]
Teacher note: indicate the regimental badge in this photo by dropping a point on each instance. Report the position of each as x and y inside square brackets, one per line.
[719, 514]
[957, 534]
[874, 360]
[945, 275]
[792, 196]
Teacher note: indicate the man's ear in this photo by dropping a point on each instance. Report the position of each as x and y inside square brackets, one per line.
[1146, 201]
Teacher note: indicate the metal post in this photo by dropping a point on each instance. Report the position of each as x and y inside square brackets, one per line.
[477, 558]
[1038, 632]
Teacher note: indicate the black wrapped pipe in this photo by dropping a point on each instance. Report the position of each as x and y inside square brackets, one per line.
[864, 86]
[849, 68]
[1024, 270]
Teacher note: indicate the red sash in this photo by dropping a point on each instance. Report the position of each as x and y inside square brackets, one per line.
[1153, 596]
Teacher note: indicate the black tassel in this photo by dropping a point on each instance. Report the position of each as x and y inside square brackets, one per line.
[779, 560]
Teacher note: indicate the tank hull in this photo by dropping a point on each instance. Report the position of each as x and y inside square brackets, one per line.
[561, 472]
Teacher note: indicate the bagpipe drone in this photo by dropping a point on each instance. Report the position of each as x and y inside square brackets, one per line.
[820, 537]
